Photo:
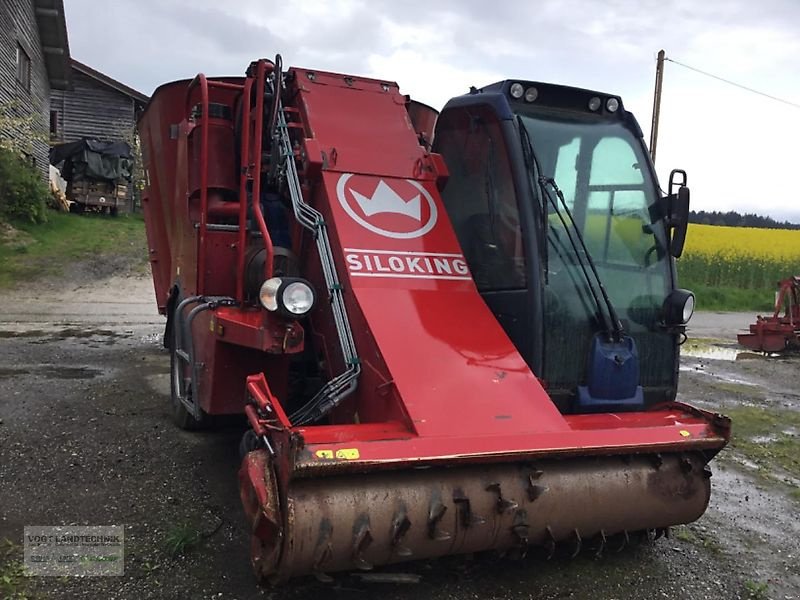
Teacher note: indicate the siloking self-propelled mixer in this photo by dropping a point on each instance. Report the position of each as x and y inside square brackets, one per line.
[449, 332]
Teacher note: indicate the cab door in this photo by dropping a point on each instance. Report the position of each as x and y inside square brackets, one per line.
[483, 205]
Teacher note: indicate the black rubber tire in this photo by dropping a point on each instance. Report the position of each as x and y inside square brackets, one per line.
[248, 443]
[180, 416]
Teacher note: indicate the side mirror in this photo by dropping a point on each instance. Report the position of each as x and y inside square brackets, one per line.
[677, 220]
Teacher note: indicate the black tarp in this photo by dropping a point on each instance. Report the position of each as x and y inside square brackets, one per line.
[91, 159]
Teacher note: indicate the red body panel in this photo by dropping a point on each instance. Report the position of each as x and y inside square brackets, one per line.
[440, 378]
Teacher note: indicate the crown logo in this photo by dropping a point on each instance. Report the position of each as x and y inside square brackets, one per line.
[386, 200]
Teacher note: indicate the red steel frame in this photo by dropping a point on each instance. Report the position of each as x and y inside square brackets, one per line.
[777, 332]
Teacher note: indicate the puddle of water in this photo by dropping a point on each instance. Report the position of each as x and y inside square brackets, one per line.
[745, 462]
[22, 334]
[51, 372]
[153, 338]
[710, 352]
[699, 368]
[719, 352]
[764, 439]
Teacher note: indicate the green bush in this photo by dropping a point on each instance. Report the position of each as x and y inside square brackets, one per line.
[23, 195]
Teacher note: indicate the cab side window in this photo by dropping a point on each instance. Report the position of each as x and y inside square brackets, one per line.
[480, 198]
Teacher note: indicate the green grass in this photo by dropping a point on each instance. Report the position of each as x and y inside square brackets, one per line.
[722, 298]
[65, 239]
[756, 590]
[13, 582]
[691, 535]
[181, 539]
[769, 438]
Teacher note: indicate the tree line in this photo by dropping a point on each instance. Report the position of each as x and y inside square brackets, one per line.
[732, 218]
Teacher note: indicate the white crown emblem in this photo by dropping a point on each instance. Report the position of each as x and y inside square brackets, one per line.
[386, 200]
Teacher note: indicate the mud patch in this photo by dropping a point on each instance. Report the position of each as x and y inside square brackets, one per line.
[96, 336]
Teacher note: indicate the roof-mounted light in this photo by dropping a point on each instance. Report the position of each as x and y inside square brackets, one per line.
[612, 105]
[594, 104]
[516, 90]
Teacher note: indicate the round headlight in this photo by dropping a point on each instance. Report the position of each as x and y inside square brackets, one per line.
[268, 294]
[688, 309]
[288, 296]
[594, 103]
[516, 90]
[531, 94]
[298, 298]
[678, 307]
[612, 105]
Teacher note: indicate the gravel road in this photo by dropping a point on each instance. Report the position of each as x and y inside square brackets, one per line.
[85, 438]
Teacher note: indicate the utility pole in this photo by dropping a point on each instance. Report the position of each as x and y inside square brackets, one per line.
[656, 104]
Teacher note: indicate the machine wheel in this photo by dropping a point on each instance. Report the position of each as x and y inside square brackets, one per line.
[248, 443]
[181, 386]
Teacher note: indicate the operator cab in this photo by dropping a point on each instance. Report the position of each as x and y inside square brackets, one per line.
[548, 185]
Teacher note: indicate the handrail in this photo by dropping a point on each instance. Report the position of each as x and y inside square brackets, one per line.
[201, 80]
[251, 166]
[243, 176]
[261, 72]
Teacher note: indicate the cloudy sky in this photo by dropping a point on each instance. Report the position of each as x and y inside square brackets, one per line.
[741, 150]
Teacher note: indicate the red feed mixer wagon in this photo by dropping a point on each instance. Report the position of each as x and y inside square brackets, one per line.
[449, 332]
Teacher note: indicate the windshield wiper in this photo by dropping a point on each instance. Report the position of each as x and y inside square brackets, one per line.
[544, 214]
[610, 319]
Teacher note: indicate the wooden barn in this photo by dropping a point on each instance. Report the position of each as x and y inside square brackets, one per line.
[34, 61]
[94, 106]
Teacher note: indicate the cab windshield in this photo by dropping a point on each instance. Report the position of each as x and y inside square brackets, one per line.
[604, 175]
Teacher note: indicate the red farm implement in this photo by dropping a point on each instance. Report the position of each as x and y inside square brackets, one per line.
[433, 351]
[781, 330]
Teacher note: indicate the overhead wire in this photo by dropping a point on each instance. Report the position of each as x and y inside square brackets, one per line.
[733, 83]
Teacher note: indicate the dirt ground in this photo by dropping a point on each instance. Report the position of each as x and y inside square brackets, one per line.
[85, 438]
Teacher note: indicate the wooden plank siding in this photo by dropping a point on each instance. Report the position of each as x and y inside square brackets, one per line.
[18, 26]
[92, 109]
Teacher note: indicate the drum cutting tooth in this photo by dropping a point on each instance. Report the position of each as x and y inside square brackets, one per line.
[624, 541]
[534, 489]
[549, 542]
[601, 544]
[577, 543]
[658, 460]
[503, 504]
[323, 551]
[521, 530]
[400, 525]
[362, 538]
[686, 464]
[435, 514]
[466, 516]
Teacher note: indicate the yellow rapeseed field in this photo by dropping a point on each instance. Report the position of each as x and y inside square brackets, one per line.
[741, 257]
